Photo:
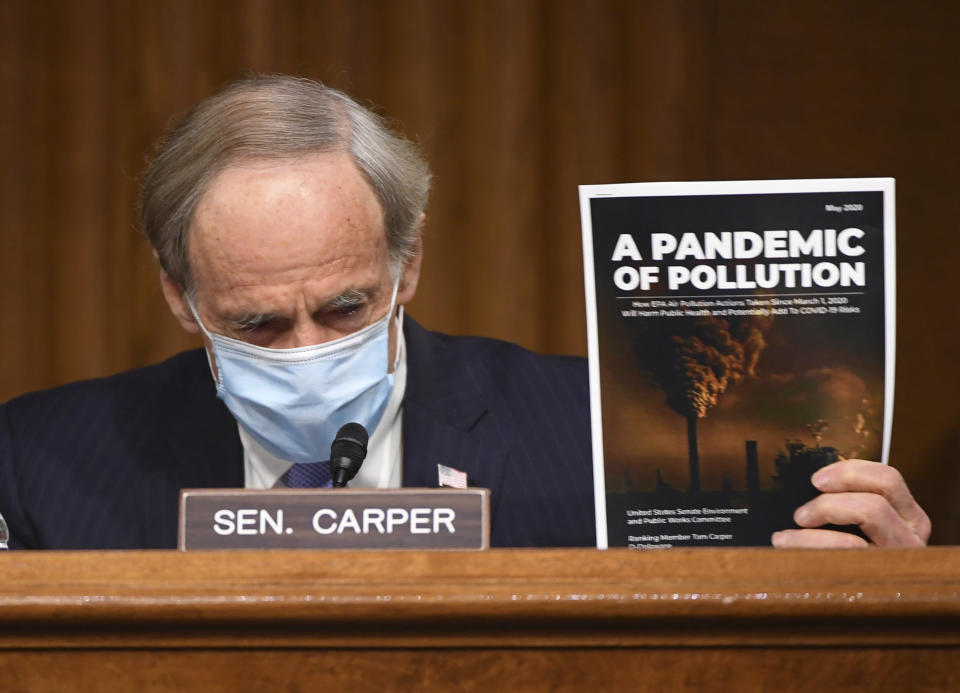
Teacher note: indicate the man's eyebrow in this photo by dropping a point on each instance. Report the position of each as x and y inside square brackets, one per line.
[248, 321]
[350, 298]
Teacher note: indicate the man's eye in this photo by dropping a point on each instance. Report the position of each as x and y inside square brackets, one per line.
[348, 310]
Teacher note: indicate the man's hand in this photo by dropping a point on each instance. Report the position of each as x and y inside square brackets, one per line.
[871, 495]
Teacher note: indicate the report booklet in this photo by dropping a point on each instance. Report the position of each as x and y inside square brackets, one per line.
[741, 336]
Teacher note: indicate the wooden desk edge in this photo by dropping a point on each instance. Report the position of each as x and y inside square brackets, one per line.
[563, 597]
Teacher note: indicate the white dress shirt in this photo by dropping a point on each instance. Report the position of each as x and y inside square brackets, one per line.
[383, 467]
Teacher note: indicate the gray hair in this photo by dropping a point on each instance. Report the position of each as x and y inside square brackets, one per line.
[277, 117]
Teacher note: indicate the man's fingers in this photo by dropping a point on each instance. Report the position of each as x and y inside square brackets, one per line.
[870, 511]
[816, 539]
[862, 476]
[870, 495]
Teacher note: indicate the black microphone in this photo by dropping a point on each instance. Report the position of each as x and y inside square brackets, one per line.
[347, 452]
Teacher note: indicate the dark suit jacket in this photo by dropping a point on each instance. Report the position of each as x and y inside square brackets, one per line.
[100, 463]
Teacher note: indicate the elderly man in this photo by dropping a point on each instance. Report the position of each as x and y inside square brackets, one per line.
[286, 222]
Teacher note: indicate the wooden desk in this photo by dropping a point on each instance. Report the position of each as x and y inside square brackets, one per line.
[502, 620]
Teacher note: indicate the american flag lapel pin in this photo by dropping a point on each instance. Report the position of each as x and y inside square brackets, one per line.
[448, 476]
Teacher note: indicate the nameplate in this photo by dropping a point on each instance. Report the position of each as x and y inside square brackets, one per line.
[408, 518]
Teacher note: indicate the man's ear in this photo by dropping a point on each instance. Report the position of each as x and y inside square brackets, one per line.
[178, 303]
[411, 270]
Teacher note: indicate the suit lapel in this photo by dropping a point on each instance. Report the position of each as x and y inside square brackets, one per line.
[446, 416]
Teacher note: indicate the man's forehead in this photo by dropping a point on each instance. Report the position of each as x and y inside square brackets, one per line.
[321, 198]
[328, 179]
[276, 223]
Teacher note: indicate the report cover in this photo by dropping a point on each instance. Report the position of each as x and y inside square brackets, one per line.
[741, 336]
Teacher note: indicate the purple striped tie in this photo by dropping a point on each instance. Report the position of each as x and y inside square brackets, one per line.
[308, 475]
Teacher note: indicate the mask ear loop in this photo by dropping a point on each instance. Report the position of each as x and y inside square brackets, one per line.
[399, 321]
[213, 371]
[196, 316]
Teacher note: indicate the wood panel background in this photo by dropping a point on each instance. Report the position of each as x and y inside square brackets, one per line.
[515, 103]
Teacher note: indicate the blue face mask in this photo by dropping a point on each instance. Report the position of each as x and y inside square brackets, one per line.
[293, 401]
